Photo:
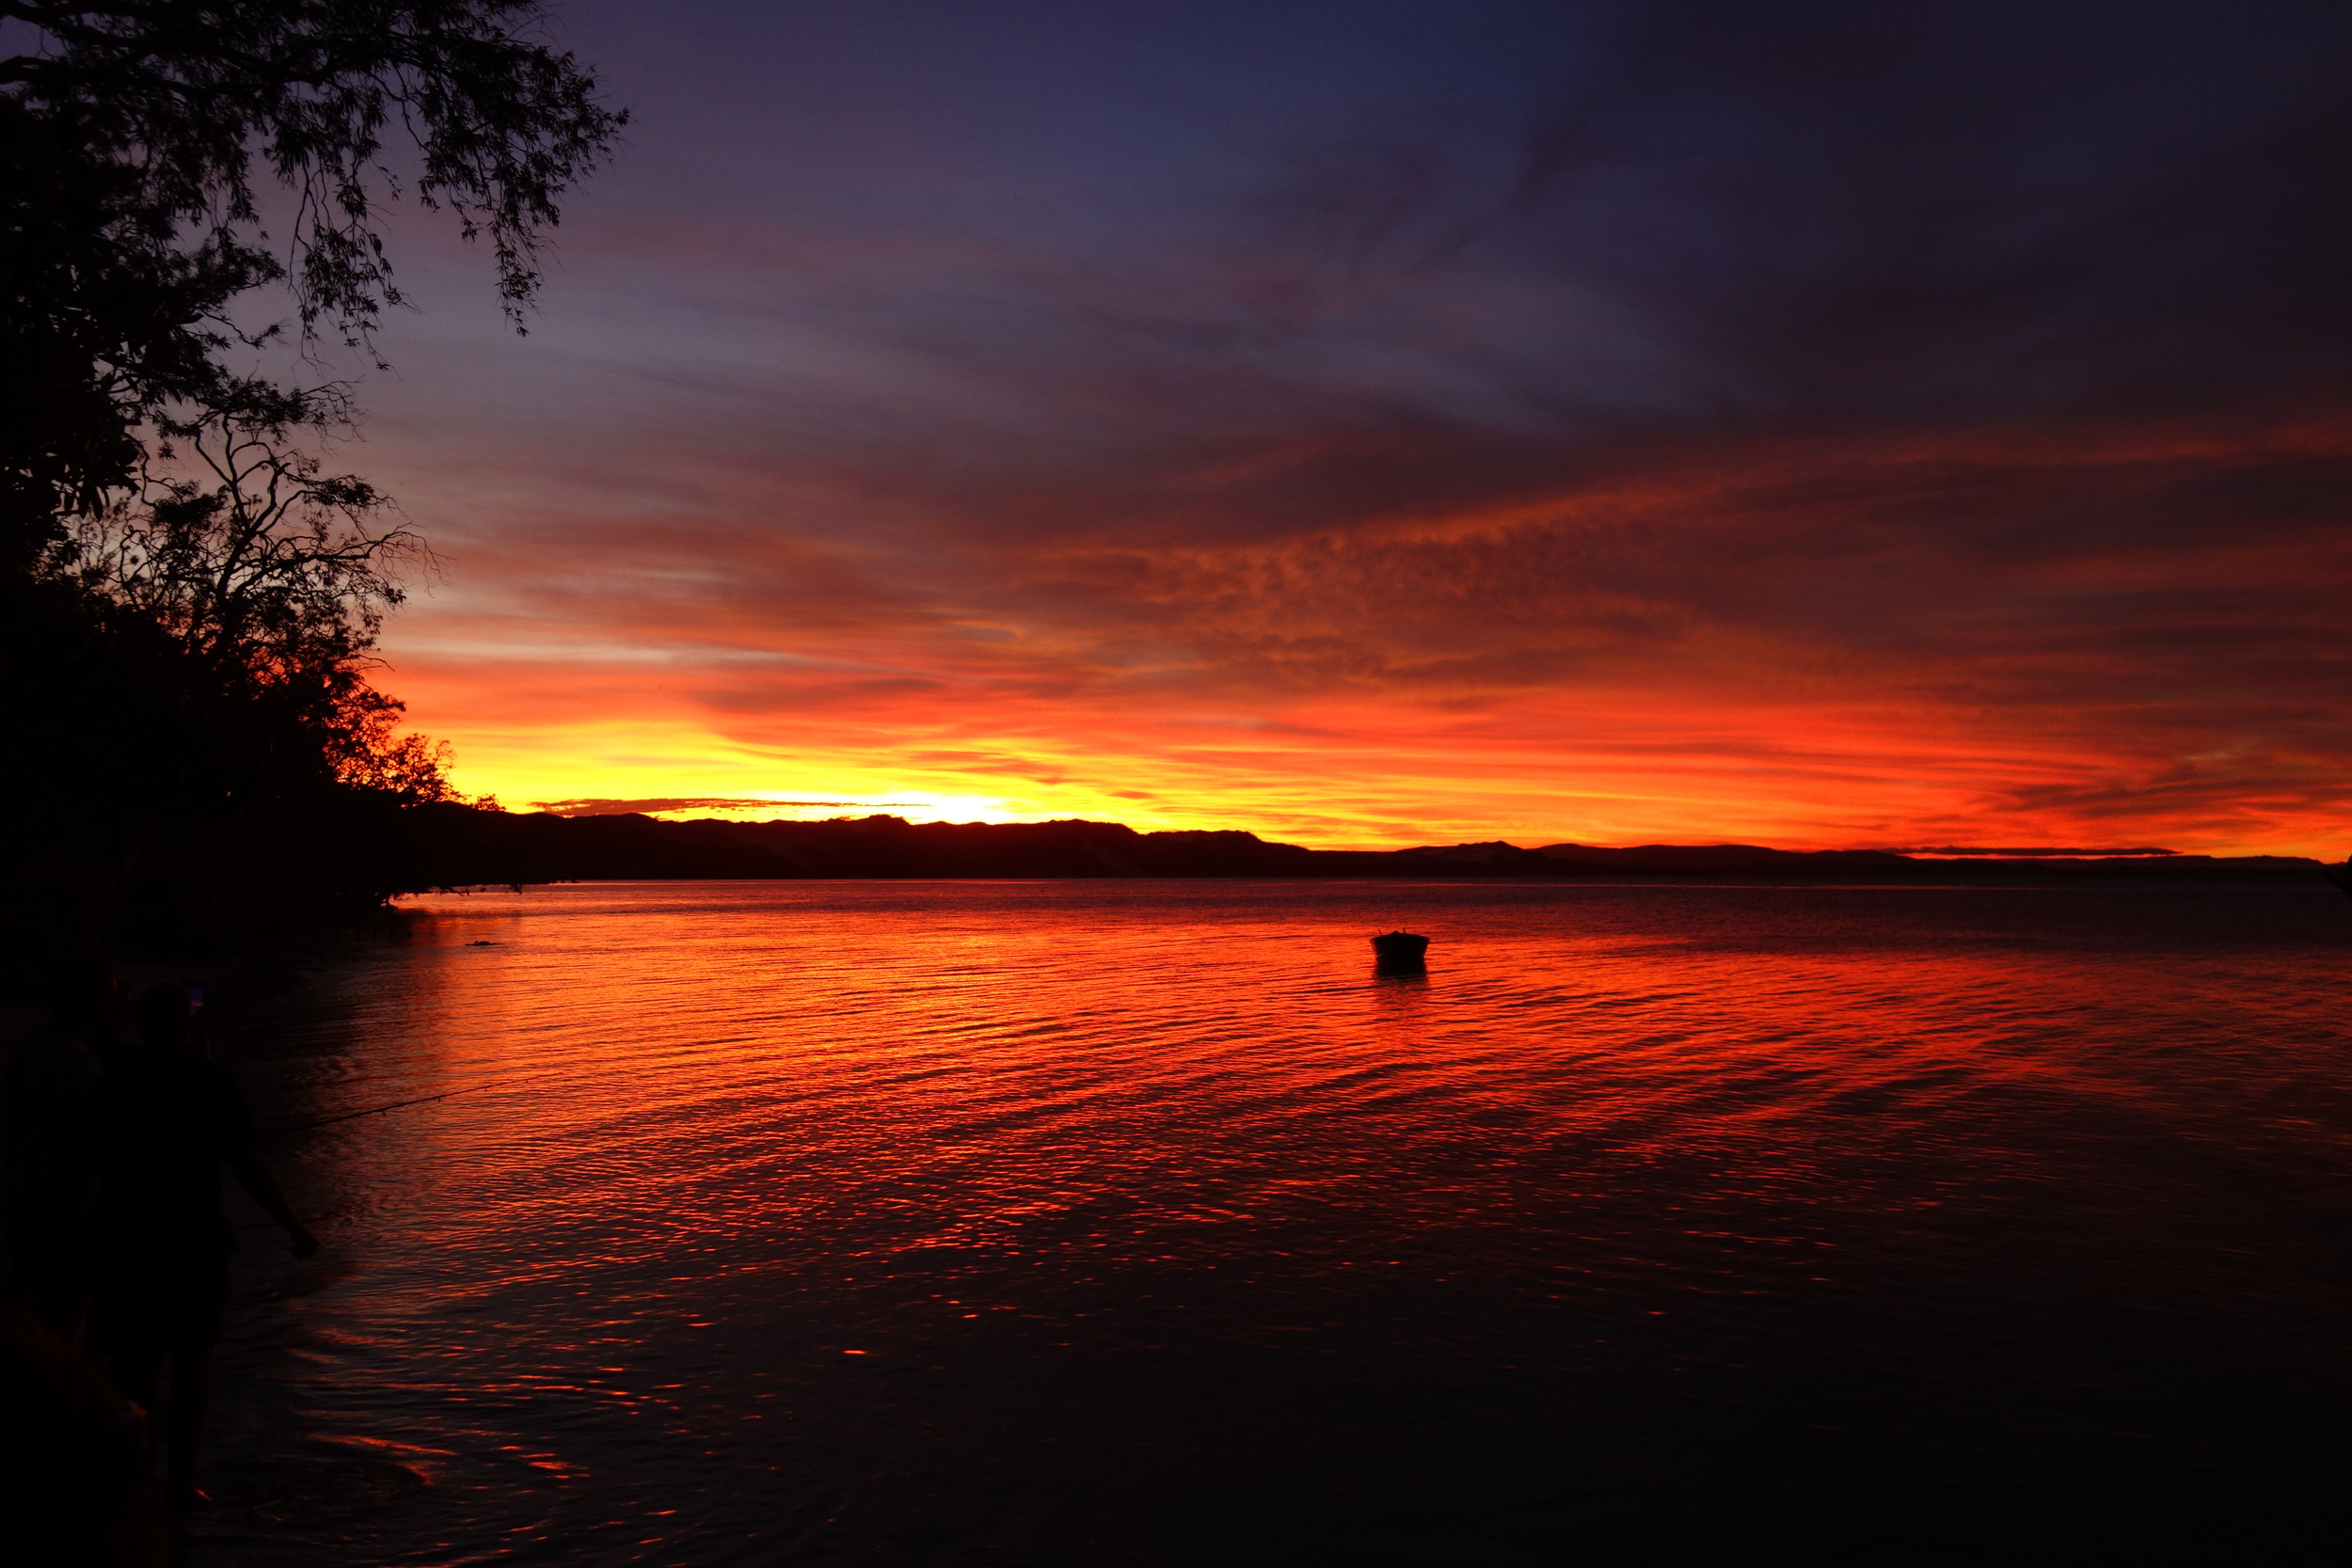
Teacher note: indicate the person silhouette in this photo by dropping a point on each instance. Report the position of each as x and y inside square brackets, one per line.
[45, 1170]
[167, 1122]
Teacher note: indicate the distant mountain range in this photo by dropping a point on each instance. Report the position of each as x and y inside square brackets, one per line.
[460, 845]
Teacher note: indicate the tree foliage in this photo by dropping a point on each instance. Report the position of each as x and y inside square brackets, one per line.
[143, 138]
[177, 560]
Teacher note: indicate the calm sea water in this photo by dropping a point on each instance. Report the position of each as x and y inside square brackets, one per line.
[1137, 1222]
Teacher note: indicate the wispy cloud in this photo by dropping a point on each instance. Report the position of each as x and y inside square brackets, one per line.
[1870, 427]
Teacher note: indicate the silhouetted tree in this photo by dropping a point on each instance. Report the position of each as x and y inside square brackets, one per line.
[135, 217]
[189, 595]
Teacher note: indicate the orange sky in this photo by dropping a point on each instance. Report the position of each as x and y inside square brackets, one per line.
[1413, 433]
[1640, 660]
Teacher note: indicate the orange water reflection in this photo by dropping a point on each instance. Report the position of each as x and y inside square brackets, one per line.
[1119, 1218]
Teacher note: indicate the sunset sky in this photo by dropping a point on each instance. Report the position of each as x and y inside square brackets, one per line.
[1801, 424]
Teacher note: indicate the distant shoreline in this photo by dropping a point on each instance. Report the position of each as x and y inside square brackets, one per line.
[455, 846]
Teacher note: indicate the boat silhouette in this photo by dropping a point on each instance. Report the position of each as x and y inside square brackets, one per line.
[1399, 950]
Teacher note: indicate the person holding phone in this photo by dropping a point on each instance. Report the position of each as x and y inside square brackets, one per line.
[167, 1124]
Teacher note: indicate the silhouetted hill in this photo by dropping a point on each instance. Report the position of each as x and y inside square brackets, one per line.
[1881, 865]
[450, 845]
[457, 845]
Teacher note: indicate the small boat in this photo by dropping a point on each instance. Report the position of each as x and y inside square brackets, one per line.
[1399, 948]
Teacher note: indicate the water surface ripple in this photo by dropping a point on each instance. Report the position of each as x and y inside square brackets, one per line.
[1141, 1222]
